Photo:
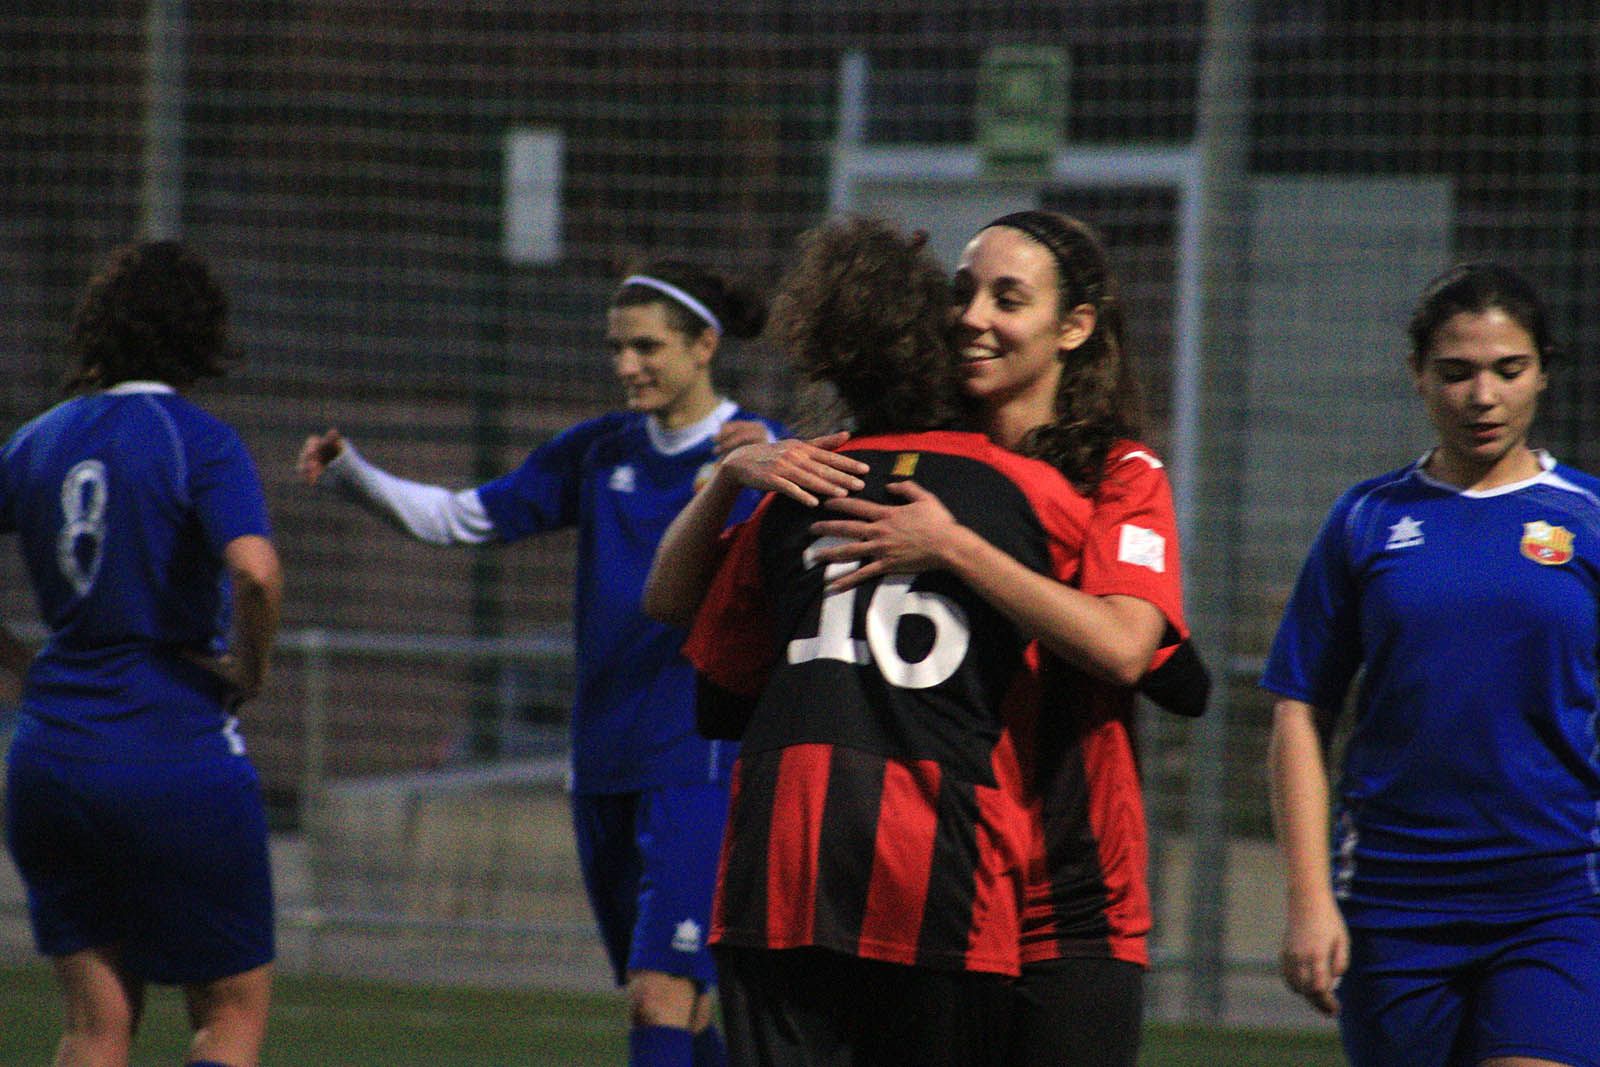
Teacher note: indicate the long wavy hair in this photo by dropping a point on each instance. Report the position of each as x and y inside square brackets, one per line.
[1098, 400]
[865, 309]
[153, 313]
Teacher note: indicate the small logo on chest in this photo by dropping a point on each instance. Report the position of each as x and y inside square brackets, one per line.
[1546, 544]
[622, 479]
[1407, 533]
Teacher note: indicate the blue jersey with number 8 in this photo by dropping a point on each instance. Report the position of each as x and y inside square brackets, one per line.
[123, 502]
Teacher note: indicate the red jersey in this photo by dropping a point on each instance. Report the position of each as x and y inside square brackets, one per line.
[1088, 892]
[878, 808]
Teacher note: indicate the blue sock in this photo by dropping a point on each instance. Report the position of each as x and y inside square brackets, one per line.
[709, 1051]
[660, 1046]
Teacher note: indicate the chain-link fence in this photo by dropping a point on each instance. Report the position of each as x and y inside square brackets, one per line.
[420, 209]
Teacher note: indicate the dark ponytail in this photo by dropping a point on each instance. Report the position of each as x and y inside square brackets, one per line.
[739, 310]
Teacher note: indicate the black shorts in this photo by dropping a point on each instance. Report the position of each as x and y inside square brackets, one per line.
[1079, 1012]
[808, 1006]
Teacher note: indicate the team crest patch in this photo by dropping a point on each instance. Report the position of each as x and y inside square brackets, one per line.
[905, 464]
[1546, 544]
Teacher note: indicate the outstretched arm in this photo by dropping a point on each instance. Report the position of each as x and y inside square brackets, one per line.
[429, 513]
[689, 551]
[1316, 943]
[1112, 637]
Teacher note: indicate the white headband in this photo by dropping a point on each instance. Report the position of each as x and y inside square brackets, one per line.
[677, 294]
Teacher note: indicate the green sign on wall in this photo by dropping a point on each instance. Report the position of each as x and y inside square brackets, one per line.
[1022, 105]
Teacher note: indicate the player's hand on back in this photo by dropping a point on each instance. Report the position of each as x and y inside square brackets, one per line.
[242, 683]
[918, 535]
[319, 450]
[803, 470]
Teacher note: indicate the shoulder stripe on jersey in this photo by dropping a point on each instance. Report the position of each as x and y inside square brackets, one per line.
[1139, 453]
[173, 437]
[1555, 481]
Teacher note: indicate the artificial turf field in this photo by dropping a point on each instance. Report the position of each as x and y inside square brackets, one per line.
[318, 1021]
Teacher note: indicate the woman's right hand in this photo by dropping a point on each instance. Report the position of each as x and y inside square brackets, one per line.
[319, 450]
[1316, 950]
[802, 470]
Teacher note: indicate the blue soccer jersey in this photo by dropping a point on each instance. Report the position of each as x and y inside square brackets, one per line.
[621, 482]
[123, 502]
[1471, 783]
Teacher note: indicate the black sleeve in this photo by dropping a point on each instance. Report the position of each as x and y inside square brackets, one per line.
[1182, 684]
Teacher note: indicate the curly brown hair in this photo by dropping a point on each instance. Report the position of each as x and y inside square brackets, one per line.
[1098, 399]
[153, 313]
[866, 309]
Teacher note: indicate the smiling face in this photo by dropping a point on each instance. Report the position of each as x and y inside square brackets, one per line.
[1480, 382]
[663, 371]
[1009, 328]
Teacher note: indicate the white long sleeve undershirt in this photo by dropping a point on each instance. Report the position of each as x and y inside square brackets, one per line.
[429, 513]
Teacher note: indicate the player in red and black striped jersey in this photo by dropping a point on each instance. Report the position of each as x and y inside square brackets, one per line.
[878, 788]
[871, 888]
[877, 808]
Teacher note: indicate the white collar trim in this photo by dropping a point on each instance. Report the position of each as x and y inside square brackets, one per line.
[140, 387]
[671, 442]
[1547, 463]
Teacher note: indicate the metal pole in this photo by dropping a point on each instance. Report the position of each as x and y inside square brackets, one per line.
[166, 44]
[1221, 136]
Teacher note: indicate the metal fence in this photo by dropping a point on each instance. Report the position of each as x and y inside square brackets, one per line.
[420, 208]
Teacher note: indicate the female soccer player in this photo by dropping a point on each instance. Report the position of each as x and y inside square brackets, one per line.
[1040, 332]
[1458, 920]
[868, 906]
[1041, 338]
[131, 809]
[649, 796]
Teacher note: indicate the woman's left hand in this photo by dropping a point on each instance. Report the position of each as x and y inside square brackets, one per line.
[890, 538]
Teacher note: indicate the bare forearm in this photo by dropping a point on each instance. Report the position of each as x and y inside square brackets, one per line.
[686, 559]
[1111, 637]
[1299, 796]
[257, 604]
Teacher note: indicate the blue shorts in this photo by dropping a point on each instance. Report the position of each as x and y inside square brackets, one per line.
[650, 865]
[1461, 993]
[167, 862]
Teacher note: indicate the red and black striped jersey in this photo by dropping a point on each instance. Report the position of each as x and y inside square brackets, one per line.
[1088, 882]
[878, 808]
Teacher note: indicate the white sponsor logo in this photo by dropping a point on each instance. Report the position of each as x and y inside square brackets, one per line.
[687, 936]
[1142, 548]
[622, 479]
[1406, 533]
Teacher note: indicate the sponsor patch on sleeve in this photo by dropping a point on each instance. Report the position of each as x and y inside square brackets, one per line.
[1142, 548]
